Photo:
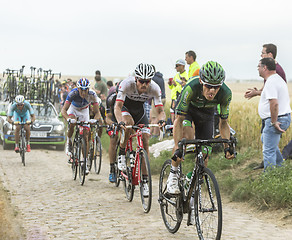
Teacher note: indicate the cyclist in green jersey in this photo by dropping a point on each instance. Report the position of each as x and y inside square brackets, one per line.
[197, 103]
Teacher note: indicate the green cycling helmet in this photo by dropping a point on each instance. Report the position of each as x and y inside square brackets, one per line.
[212, 73]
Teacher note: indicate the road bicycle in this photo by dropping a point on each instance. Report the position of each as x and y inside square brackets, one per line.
[10, 85]
[199, 197]
[138, 171]
[78, 158]
[22, 140]
[95, 148]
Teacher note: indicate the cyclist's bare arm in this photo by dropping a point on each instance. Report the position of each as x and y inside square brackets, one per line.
[96, 111]
[224, 129]
[64, 110]
[9, 119]
[118, 111]
[108, 119]
[32, 118]
[178, 129]
[160, 113]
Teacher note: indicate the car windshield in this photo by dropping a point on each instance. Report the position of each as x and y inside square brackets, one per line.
[3, 106]
[44, 110]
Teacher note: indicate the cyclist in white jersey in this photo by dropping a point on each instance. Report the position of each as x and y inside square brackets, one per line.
[77, 106]
[129, 107]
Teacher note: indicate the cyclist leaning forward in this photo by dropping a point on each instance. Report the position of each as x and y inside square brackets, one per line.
[22, 112]
[197, 103]
[110, 120]
[77, 106]
[129, 109]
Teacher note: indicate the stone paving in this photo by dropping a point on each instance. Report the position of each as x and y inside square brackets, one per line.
[53, 206]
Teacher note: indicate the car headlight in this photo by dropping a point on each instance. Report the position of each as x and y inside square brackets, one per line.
[59, 128]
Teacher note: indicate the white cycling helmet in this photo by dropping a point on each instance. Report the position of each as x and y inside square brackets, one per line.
[19, 99]
[83, 83]
[145, 71]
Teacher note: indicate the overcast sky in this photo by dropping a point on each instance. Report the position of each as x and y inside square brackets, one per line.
[79, 37]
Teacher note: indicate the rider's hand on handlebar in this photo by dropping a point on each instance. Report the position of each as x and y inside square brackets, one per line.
[93, 121]
[122, 125]
[177, 155]
[28, 122]
[15, 122]
[161, 123]
[71, 120]
[229, 154]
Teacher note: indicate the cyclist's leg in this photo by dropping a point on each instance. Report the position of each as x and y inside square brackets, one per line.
[16, 118]
[112, 157]
[72, 114]
[128, 120]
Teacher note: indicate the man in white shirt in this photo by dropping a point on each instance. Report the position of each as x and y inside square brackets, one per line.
[274, 110]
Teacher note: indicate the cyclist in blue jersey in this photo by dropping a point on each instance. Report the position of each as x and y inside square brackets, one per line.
[77, 106]
[22, 112]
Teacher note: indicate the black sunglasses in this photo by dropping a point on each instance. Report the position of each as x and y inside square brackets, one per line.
[143, 81]
[209, 86]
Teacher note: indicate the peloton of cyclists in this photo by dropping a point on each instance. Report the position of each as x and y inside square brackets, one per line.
[77, 106]
[22, 112]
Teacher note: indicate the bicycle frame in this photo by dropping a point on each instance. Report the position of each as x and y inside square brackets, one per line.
[136, 176]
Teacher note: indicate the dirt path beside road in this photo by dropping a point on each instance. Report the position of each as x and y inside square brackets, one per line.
[53, 206]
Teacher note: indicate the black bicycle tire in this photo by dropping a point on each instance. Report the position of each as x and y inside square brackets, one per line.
[22, 151]
[117, 171]
[74, 165]
[82, 167]
[97, 158]
[128, 183]
[207, 172]
[145, 204]
[164, 203]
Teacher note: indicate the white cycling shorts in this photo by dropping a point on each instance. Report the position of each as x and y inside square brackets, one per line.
[81, 114]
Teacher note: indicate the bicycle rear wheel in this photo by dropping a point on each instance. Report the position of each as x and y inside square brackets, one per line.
[82, 161]
[97, 154]
[128, 180]
[208, 206]
[74, 161]
[171, 206]
[146, 182]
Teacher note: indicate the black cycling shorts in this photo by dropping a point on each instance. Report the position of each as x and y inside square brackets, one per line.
[203, 119]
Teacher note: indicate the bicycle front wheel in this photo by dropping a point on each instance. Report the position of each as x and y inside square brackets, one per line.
[145, 183]
[208, 206]
[22, 150]
[82, 161]
[74, 161]
[97, 154]
[117, 171]
[171, 206]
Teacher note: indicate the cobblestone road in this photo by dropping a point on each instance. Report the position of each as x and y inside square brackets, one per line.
[53, 206]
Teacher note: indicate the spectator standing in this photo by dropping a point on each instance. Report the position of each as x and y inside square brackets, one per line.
[100, 88]
[194, 66]
[274, 110]
[176, 85]
[98, 74]
[268, 51]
